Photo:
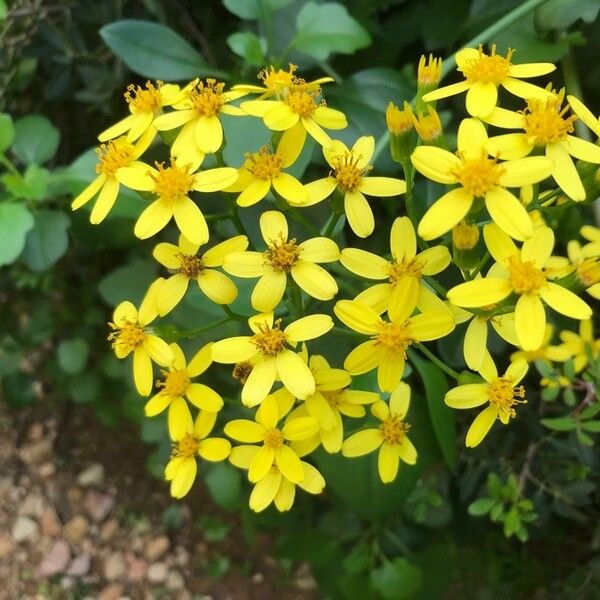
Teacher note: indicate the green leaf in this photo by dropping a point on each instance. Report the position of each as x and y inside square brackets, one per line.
[397, 579]
[224, 483]
[47, 241]
[559, 423]
[254, 9]
[128, 283]
[481, 506]
[36, 139]
[442, 417]
[590, 411]
[15, 222]
[85, 388]
[7, 132]
[33, 185]
[155, 51]
[326, 28]
[561, 14]
[73, 355]
[593, 426]
[3, 10]
[249, 46]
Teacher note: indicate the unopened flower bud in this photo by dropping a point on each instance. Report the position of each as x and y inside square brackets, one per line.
[465, 236]
[428, 126]
[400, 125]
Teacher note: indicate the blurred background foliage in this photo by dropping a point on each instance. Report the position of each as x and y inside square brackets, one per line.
[518, 517]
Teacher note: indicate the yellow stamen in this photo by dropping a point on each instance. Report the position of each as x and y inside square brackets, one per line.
[172, 183]
[241, 371]
[488, 68]
[274, 439]
[186, 447]
[128, 335]
[393, 430]
[410, 268]
[270, 341]
[114, 155]
[302, 102]
[394, 337]
[207, 98]
[282, 254]
[348, 174]
[144, 100]
[504, 396]
[276, 80]
[429, 71]
[545, 122]
[264, 164]
[478, 175]
[524, 276]
[176, 382]
[190, 266]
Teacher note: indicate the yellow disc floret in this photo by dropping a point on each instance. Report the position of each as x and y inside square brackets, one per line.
[207, 98]
[408, 267]
[127, 335]
[465, 235]
[478, 175]
[504, 396]
[176, 382]
[545, 121]
[114, 155]
[488, 68]
[273, 439]
[283, 254]
[186, 447]
[347, 173]
[144, 100]
[524, 276]
[270, 340]
[275, 80]
[172, 183]
[264, 164]
[393, 430]
[191, 266]
[302, 102]
[394, 336]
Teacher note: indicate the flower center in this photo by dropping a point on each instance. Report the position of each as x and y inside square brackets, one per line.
[488, 69]
[410, 268]
[545, 121]
[176, 382]
[128, 335]
[276, 80]
[282, 254]
[186, 447]
[264, 164]
[274, 439]
[270, 341]
[172, 183]
[525, 277]
[301, 102]
[114, 155]
[504, 396]
[478, 175]
[347, 173]
[589, 272]
[393, 430]
[394, 336]
[333, 397]
[241, 371]
[191, 266]
[144, 100]
[207, 98]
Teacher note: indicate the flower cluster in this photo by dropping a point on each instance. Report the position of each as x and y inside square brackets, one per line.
[492, 244]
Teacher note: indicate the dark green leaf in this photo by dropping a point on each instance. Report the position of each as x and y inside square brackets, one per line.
[72, 355]
[155, 51]
[7, 132]
[15, 222]
[47, 241]
[561, 14]
[224, 483]
[559, 423]
[128, 283]
[593, 426]
[326, 28]
[590, 411]
[249, 46]
[254, 9]
[85, 388]
[36, 139]
[397, 579]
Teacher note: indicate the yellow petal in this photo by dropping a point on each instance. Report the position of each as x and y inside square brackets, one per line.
[173, 120]
[158, 350]
[215, 180]
[516, 371]
[472, 138]
[538, 247]
[214, 449]
[208, 134]
[284, 498]
[273, 227]
[321, 410]
[88, 193]
[190, 221]
[357, 316]
[435, 260]
[388, 461]
[509, 146]
[171, 292]
[241, 456]
[362, 443]
[525, 171]
[142, 371]
[565, 302]
[167, 255]
[152, 220]
[259, 382]
[254, 193]
[261, 463]
[480, 427]
[269, 290]
[308, 328]
[180, 419]
[184, 479]
[330, 118]
[525, 90]
[313, 481]
[291, 144]
[531, 69]
[475, 343]
[407, 451]
[585, 114]
[258, 108]
[243, 430]
[319, 250]
[314, 280]
[244, 264]
[390, 370]
[403, 242]
[445, 213]
[530, 321]
[295, 374]
[499, 244]
[300, 428]
[363, 150]
[382, 186]
[289, 464]
[508, 213]
[216, 255]
[265, 490]
[217, 286]
[481, 292]
[203, 397]
[233, 350]
[363, 263]
[403, 299]
[156, 404]
[290, 188]
[105, 201]
[435, 163]
[365, 357]
[359, 213]
[280, 117]
[583, 150]
[431, 325]
[481, 99]
[137, 177]
[117, 129]
[507, 119]
[446, 91]
[565, 173]
[319, 190]
[467, 396]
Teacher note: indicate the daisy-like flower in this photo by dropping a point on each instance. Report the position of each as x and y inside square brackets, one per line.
[349, 175]
[545, 352]
[521, 272]
[144, 105]
[297, 106]
[199, 112]
[275, 440]
[113, 157]
[547, 127]
[390, 437]
[276, 82]
[581, 346]
[500, 393]
[404, 271]
[585, 267]
[172, 186]
[484, 73]
[263, 170]
[269, 352]
[181, 470]
[284, 256]
[177, 385]
[189, 265]
[478, 177]
[386, 350]
[130, 333]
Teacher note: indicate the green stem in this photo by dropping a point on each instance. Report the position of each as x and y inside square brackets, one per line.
[190, 333]
[438, 287]
[296, 296]
[408, 196]
[333, 221]
[434, 359]
[267, 23]
[218, 217]
[235, 217]
[347, 332]
[231, 314]
[478, 266]
[8, 164]
[448, 64]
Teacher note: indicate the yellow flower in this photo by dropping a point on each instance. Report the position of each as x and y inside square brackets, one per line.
[177, 385]
[350, 168]
[144, 105]
[587, 268]
[399, 121]
[182, 468]
[113, 157]
[274, 449]
[429, 72]
[389, 341]
[585, 114]
[296, 106]
[484, 73]
[172, 186]
[284, 256]
[272, 358]
[465, 236]
[545, 351]
[521, 272]
[130, 334]
[276, 82]
[199, 112]
[390, 437]
[428, 126]
[264, 169]
[404, 271]
[592, 235]
[478, 177]
[189, 265]
[501, 394]
[545, 126]
[581, 346]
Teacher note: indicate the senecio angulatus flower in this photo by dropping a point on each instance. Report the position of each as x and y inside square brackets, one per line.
[483, 238]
